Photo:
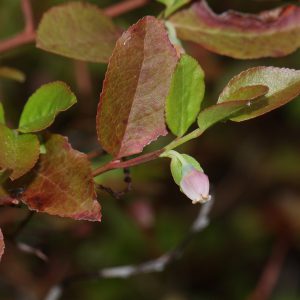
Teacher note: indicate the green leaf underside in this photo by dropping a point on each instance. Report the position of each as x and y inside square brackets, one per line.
[63, 184]
[1, 245]
[2, 114]
[18, 153]
[176, 166]
[43, 106]
[271, 33]
[12, 73]
[131, 111]
[249, 92]
[78, 30]
[283, 84]
[173, 5]
[221, 112]
[185, 96]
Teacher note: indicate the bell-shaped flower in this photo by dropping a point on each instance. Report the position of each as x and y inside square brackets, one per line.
[195, 185]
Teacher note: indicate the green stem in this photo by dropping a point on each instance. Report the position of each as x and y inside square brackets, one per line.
[176, 143]
[117, 164]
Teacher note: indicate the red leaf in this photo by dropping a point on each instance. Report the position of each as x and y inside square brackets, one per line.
[132, 103]
[63, 184]
[2, 246]
[268, 34]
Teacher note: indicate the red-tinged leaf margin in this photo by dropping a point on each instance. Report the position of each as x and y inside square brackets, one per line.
[271, 33]
[283, 84]
[63, 184]
[2, 246]
[131, 110]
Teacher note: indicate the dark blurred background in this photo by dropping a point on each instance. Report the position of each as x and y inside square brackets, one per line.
[254, 169]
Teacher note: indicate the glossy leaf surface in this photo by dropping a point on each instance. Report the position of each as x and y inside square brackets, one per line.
[44, 105]
[185, 96]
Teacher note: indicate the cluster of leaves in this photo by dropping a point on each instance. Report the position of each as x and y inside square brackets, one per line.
[143, 95]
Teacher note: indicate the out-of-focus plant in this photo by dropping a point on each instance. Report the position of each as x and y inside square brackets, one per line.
[152, 88]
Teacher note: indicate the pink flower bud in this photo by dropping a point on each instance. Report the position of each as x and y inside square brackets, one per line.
[195, 185]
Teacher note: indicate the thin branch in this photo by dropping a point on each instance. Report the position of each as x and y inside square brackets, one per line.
[124, 7]
[28, 34]
[31, 250]
[95, 153]
[28, 16]
[21, 226]
[157, 265]
[117, 164]
[271, 272]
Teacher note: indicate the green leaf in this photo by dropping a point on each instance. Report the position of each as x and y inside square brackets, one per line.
[220, 112]
[78, 30]
[2, 114]
[12, 73]
[18, 153]
[176, 166]
[43, 106]
[271, 33]
[172, 5]
[185, 96]
[283, 84]
[63, 184]
[131, 111]
[248, 92]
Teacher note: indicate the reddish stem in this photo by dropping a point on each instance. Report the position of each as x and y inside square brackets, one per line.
[124, 7]
[28, 16]
[117, 164]
[271, 272]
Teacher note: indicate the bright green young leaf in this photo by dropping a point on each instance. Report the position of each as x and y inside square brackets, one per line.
[2, 114]
[18, 153]
[221, 112]
[283, 84]
[185, 96]
[78, 30]
[12, 73]
[173, 5]
[43, 106]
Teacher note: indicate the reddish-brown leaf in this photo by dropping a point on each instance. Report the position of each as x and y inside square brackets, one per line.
[1, 245]
[63, 184]
[132, 104]
[268, 34]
